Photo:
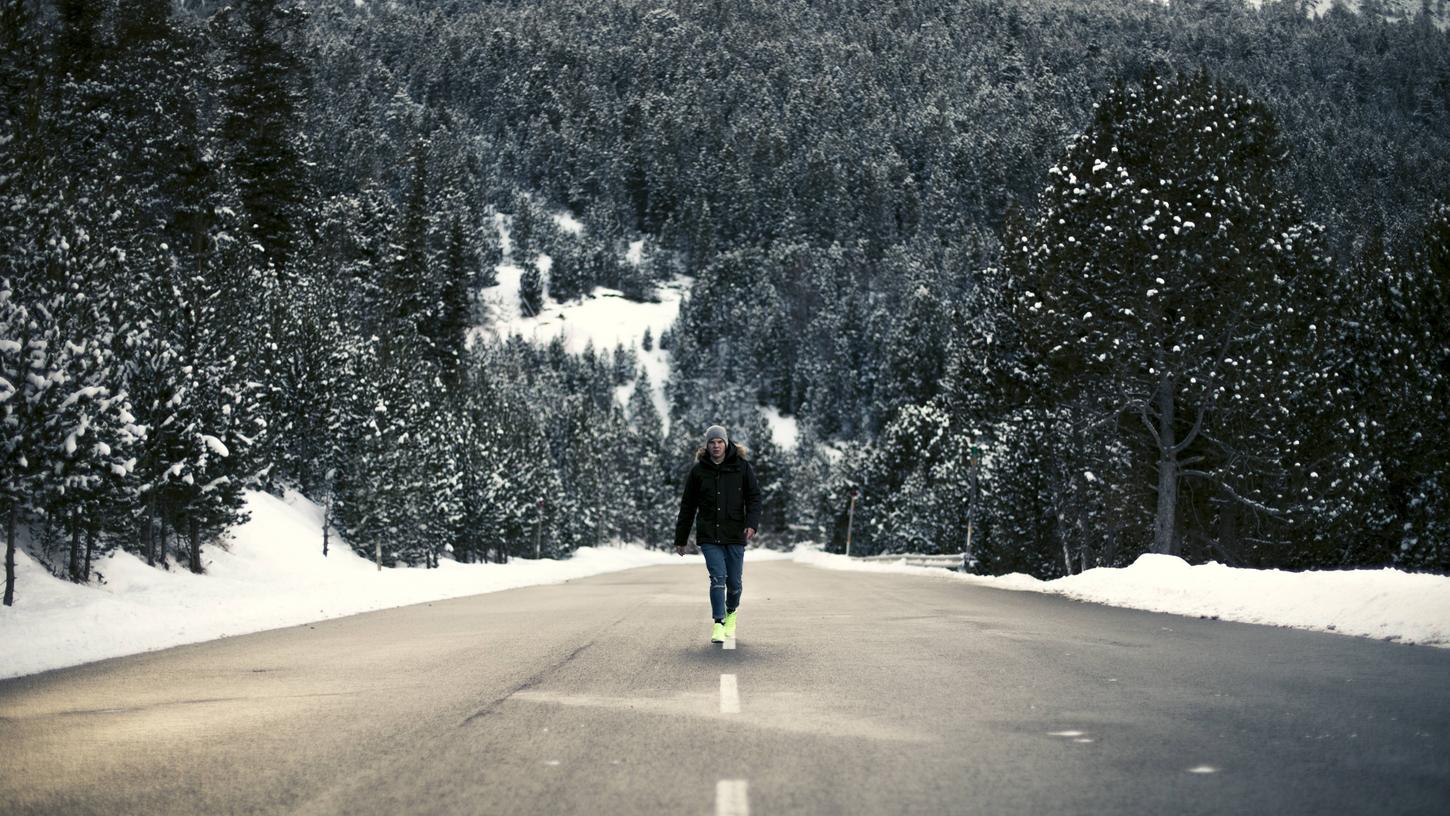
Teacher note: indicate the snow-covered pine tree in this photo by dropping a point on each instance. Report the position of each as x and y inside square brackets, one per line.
[355, 239]
[649, 478]
[914, 362]
[375, 486]
[71, 405]
[489, 253]
[771, 464]
[320, 372]
[568, 273]
[28, 332]
[1405, 382]
[94, 435]
[531, 289]
[525, 485]
[23, 198]
[917, 483]
[212, 416]
[1016, 512]
[523, 228]
[623, 366]
[261, 122]
[585, 444]
[826, 380]
[1162, 287]
[478, 517]
[21, 71]
[407, 276]
[459, 276]
[439, 463]
[807, 470]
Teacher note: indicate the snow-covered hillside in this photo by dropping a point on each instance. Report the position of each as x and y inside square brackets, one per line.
[1395, 11]
[604, 319]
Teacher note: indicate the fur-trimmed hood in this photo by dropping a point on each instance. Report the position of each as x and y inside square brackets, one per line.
[732, 451]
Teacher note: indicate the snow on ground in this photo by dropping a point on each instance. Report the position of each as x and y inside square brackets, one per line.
[783, 429]
[272, 574]
[1382, 603]
[605, 317]
[569, 223]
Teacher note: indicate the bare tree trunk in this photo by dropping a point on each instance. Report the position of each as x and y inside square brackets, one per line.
[10, 521]
[1228, 533]
[162, 533]
[194, 530]
[90, 549]
[326, 522]
[75, 546]
[148, 530]
[1165, 528]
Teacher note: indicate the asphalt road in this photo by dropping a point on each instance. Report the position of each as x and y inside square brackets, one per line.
[844, 693]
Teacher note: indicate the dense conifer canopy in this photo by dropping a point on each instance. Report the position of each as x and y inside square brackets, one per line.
[1027, 268]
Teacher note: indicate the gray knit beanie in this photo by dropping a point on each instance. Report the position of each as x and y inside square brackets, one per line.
[716, 432]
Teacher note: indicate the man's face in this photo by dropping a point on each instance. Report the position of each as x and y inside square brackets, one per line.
[716, 449]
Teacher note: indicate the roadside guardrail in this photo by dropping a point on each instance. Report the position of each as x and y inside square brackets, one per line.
[951, 561]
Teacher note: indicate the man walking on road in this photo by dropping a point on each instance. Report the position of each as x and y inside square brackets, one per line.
[722, 500]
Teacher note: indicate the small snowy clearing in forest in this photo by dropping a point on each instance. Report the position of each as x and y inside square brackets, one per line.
[605, 318]
[783, 429]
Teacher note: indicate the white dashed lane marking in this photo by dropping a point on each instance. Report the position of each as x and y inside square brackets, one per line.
[731, 798]
[729, 695]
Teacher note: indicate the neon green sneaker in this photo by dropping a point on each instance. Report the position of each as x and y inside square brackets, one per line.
[730, 624]
[717, 635]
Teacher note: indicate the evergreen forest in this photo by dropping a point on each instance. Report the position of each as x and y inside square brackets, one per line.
[1050, 283]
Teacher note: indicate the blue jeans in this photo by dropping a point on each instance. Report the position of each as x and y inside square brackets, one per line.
[725, 562]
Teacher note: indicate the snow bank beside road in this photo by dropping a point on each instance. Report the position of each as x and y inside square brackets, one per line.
[273, 574]
[1384, 603]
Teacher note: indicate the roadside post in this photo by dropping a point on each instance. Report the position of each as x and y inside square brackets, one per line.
[974, 454]
[850, 518]
[539, 532]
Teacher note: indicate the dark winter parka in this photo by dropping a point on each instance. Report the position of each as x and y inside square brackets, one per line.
[720, 500]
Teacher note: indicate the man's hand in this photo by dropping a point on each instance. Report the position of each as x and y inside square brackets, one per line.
[680, 550]
[749, 533]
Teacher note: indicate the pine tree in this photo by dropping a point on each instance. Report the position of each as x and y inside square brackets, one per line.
[531, 291]
[914, 362]
[1163, 289]
[1398, 344]
[261, 121]
[28, 332]
[807, 475]
[770, 463]
[649, 478]
[459, 273]
[96, 434]
[519, 486]
[407, 285]
[522, 230]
